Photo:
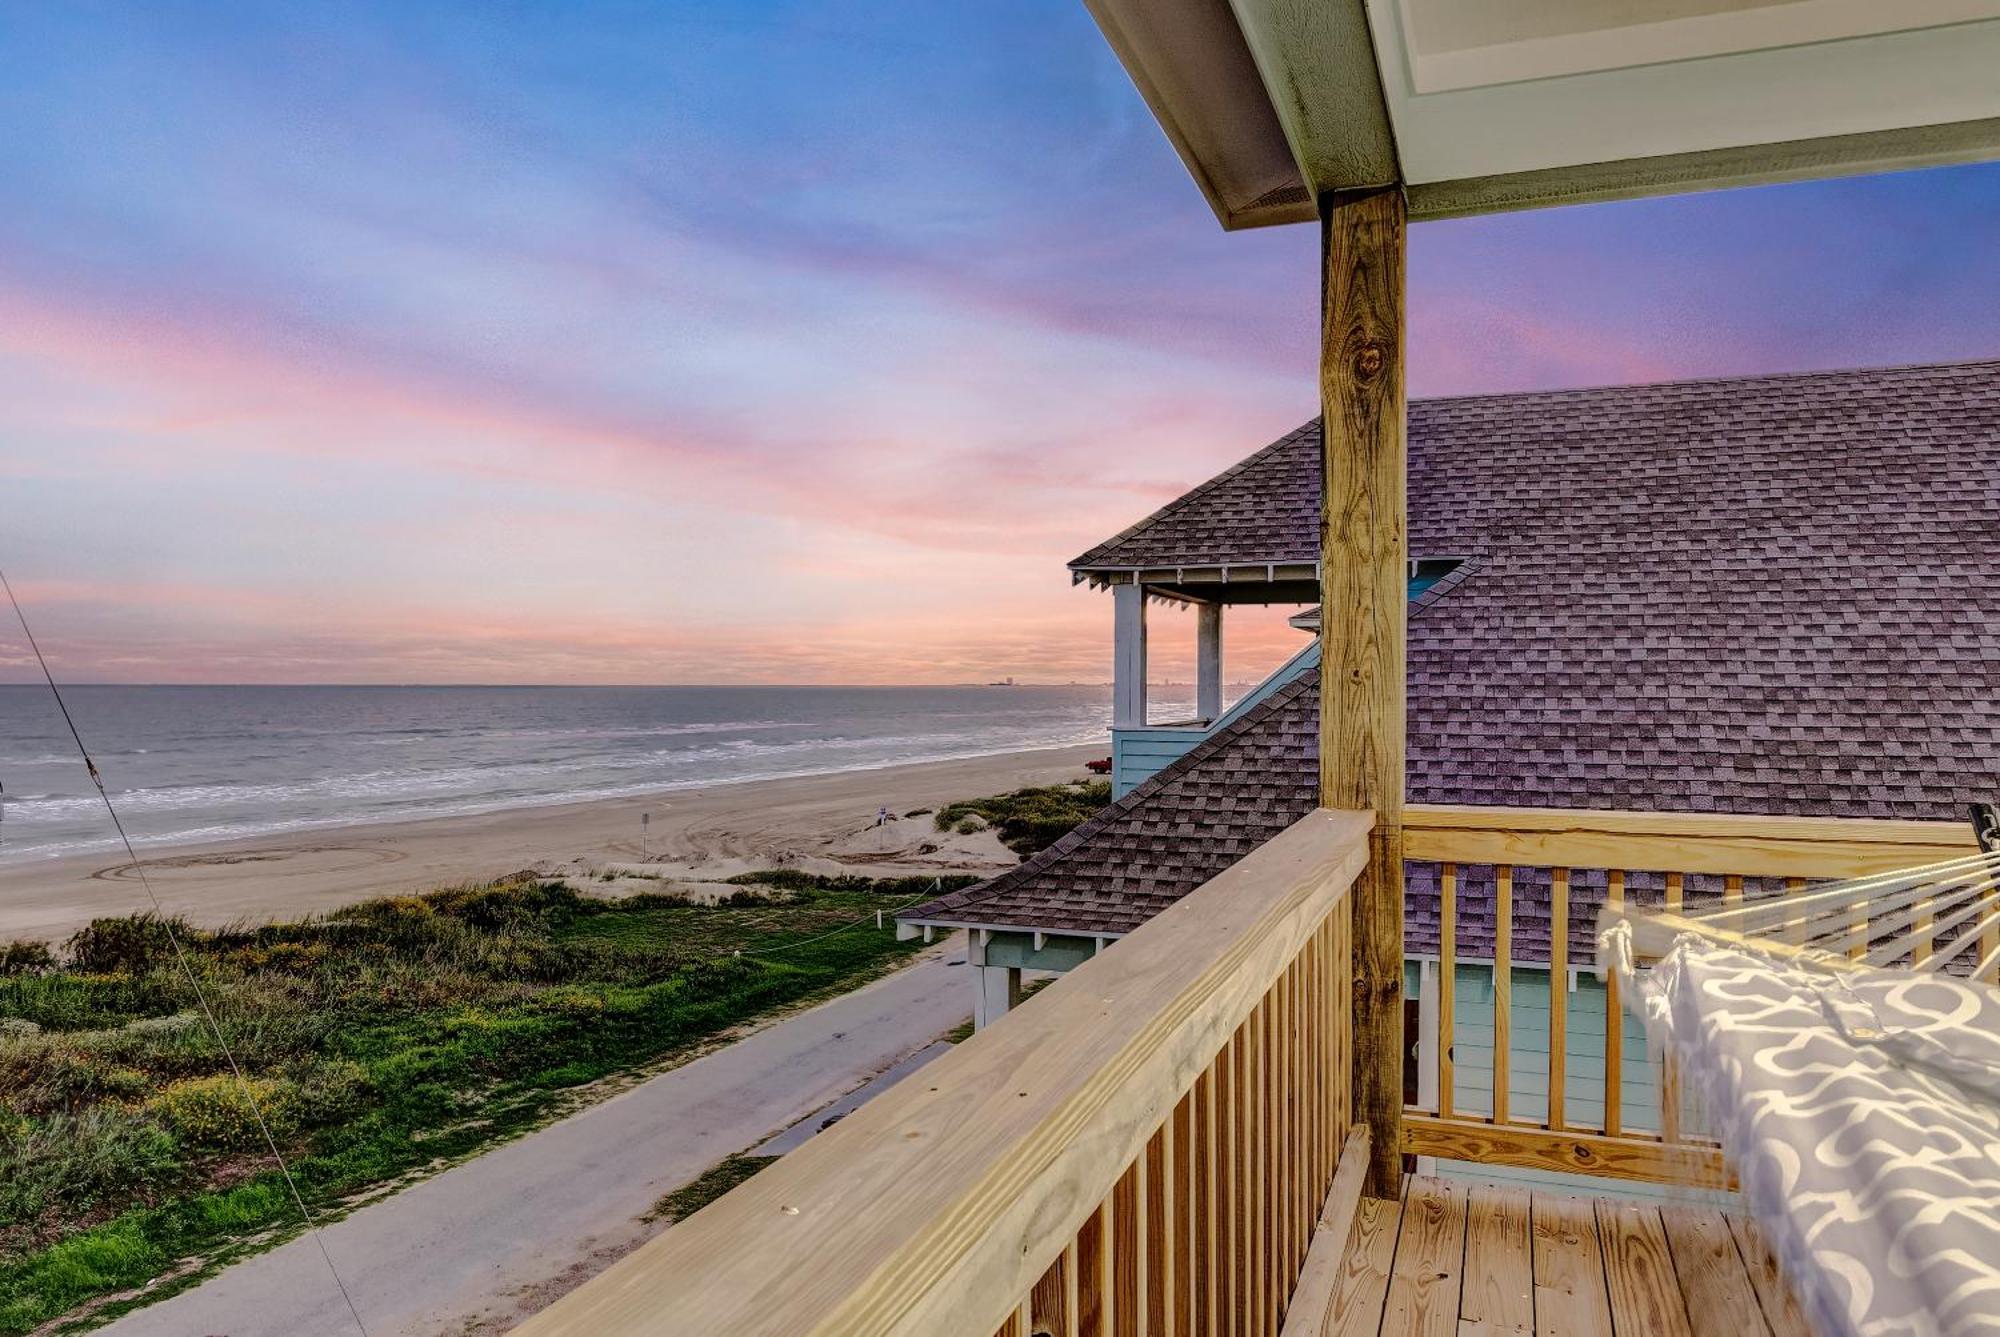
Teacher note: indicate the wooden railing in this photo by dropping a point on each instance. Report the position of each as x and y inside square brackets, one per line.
[1526, 884]
[1149, 1145]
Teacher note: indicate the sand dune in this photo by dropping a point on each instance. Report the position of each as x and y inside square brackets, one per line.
[822, 823]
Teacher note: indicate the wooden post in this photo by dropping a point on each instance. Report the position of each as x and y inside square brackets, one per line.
[1128, 657]
[1364, 576]
[1208, 662]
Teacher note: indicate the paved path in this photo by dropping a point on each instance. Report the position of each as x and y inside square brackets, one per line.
[491, 1240]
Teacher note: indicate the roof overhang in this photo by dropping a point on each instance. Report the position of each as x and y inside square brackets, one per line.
[1484, 105]
[1250, 582]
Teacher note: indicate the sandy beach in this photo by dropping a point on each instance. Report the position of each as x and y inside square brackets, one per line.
[821, 823]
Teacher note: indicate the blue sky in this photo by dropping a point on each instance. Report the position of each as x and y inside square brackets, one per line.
[674, 342]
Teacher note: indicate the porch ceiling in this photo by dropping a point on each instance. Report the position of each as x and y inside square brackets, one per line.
[1482, 105]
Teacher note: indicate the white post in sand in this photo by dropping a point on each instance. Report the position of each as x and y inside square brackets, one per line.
[1128, 657]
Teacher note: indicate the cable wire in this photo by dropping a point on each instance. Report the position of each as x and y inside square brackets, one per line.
[182, 960]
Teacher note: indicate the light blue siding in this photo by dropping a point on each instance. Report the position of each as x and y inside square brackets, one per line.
[1137, 755]
[1528, 1063]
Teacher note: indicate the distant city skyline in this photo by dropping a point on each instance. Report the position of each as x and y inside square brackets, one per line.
[622, 344]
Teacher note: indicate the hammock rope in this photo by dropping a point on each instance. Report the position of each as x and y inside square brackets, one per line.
[1925, 919]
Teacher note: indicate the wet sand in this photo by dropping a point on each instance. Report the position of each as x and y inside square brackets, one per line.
[823, 823]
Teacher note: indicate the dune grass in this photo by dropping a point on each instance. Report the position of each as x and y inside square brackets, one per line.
[386, 1039]
[1029, 819]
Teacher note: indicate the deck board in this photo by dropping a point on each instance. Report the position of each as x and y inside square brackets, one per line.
[1462, 1260]
[1497, 1296]
[1430, 1253]
[1639, 1271]
[1715, 1284]
[1570, 1300]
[1780, 1306]
[1364, 1270]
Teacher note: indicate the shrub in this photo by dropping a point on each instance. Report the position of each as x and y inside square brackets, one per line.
[216, 1112]
[1030, 819]
[76, 1161]
[57, 1074]
[26, 958]
[131, 945]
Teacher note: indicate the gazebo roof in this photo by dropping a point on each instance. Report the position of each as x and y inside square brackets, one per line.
[1480, 105]
[1775, 594]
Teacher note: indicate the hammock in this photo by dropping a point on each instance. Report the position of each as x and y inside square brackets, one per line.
[1846, 1044]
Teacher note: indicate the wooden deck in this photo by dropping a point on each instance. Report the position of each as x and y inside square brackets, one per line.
[1458, 1261]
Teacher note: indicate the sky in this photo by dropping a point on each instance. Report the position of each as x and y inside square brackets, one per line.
[692, 342]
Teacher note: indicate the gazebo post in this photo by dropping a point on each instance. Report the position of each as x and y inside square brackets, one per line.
[1363, 588]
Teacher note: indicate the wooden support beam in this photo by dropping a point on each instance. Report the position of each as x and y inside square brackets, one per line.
[1364, 594]
[1128, 657]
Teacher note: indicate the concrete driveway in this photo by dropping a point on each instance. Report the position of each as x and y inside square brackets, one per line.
[484, 1244]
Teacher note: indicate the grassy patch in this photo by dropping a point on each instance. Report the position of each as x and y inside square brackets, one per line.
[1029, 819]
[381, 1041]
[717, 1180]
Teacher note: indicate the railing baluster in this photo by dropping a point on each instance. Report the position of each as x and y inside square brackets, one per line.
[1183, 1244]
[1157, 1232]
[1447, 979]
[1614, 1023]
[1503, 985]
[1989, 936]
[1128, 1235]
[1795, 925]
[1670, 1070]
[1558, 991]
[1206, 1226]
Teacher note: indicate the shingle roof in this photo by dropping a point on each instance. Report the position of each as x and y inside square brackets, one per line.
[1762, 595]
[1265, 509]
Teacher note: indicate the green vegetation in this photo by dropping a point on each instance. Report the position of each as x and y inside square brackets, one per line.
[1029, 819]
[715, 1181]
[381, 1041]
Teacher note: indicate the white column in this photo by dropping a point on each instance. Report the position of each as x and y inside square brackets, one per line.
[1128, 658]
[995, 989]
[1208, 662]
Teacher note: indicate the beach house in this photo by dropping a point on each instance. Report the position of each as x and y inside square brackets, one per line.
[1202, 1128]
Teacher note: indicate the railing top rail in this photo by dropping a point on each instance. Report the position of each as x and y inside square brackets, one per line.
[1677, 842]
[937, 1205]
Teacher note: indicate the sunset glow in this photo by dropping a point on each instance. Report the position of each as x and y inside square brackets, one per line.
[806, 344]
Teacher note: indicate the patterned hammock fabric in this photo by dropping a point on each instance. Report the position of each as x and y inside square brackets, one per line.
[1861, 1112]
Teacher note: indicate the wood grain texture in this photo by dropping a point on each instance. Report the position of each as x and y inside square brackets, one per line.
[1497, 1292]
[1364, 1270]
[1503, 988]
[1774, 1297]
[1447, 981]
[1558, 993]
[976, 1178]
[1627, 1157]
[1052, 1304]
[1320, 1276]
[1614, 1023]
[1639, 1271]
[1714, 1283]
[1660, 842]
[1570, 1298]
[1128, 1259]
[1424, 1281]
[1364, 598]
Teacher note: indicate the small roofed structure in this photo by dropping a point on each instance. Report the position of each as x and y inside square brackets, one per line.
[1697, 596]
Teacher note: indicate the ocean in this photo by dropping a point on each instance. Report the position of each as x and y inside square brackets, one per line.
[209, 763]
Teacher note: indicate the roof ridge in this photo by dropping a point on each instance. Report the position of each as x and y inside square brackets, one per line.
[1741, 378]
[1196, 492]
